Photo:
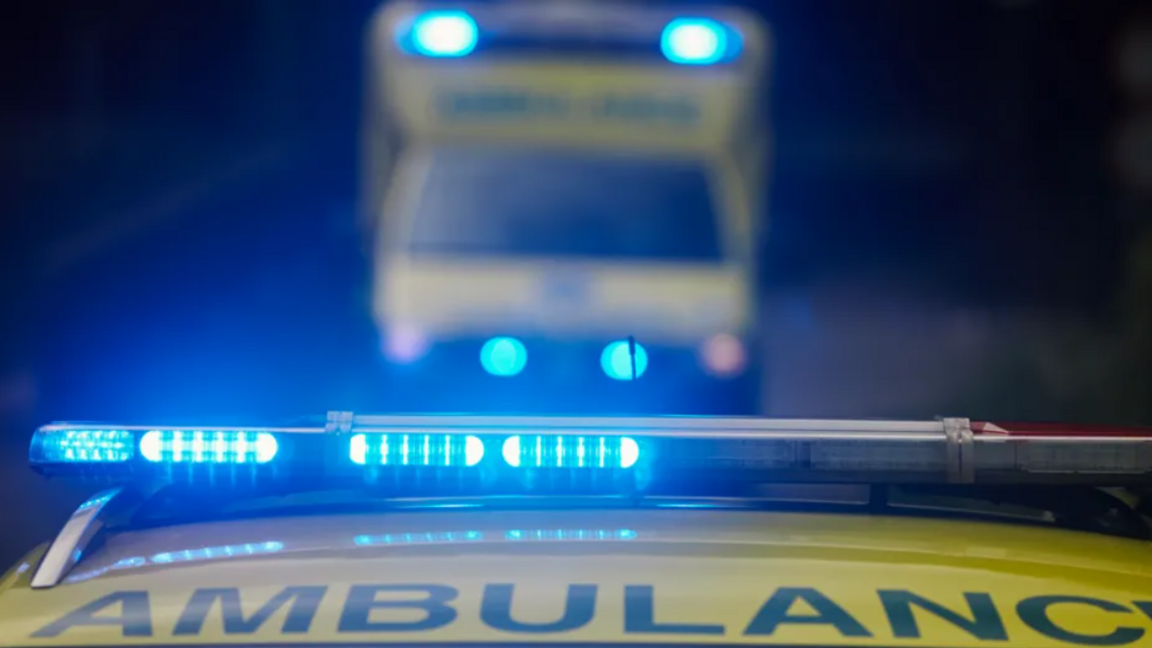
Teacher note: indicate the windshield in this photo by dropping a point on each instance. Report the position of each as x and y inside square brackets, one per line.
[523, 202]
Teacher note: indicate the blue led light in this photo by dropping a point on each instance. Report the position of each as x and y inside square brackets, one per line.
[616, 360]
[209, 447]
[444, 34]
[443, 450]
[82, 446]
[695, 41]
[555, 451]
[503, 356]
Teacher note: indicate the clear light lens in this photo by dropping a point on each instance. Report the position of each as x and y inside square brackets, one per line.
[616, 360]
[83, 446]
[208, 446]
[555, 451]
[433, 450]
[503, 356]
[694, 41]
[444, 34]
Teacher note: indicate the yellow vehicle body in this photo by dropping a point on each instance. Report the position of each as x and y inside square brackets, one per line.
[593, 577]
[567, 106]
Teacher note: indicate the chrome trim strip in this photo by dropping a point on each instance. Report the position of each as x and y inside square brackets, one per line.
[671, 426]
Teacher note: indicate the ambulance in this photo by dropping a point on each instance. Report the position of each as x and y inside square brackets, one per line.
[517, 531]
[569, 197]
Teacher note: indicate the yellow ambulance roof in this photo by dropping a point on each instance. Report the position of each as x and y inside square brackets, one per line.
[583, 577]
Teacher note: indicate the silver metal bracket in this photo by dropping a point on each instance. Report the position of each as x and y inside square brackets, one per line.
[961, 467]
[70, 545]
[339, 423]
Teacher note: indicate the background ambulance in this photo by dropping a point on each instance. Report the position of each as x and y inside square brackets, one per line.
[545, 180]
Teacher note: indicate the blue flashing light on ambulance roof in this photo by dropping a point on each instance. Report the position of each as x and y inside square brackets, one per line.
[557, 451]
[443, 34]
[214, 447]
[491, 455]
[616, 360]
[86, 446]
[393, 449]
[697, 41]
[633, 462]
[503, 356]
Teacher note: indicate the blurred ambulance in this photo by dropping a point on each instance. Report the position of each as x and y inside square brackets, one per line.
[545, 180]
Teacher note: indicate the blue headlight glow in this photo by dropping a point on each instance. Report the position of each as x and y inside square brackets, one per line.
[697, 41]
[443, 450]
[556, 451]
[82, 446]
[616, 360]
[208, 447]
[503, 356]
[444, 34]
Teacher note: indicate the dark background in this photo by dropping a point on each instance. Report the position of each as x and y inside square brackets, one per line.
[950, 234]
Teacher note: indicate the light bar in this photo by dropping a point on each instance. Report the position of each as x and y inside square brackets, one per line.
[683, 455]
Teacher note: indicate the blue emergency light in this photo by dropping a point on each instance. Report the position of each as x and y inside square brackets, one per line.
[683, 41]
[618, 363]
[82, 445]
[578, 451]
[442, 34]
[698, 41]
[179, 454]
[216, 447]
[395, 449]
[503, 356]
